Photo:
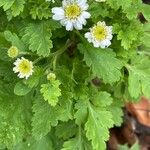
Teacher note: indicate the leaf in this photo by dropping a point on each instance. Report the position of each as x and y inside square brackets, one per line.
[53, 24]
[129, 33]
[38, 36]
[51, 92]
[13, 7]
[102, 99]
[42, 125]
[65, 106]
[21, 89]
[6, 4]
[146, 11]
[92, 111]
[133, 11]
[146, 36]
[115, 4]
[129, 7]
[117, 113]
[17, 7]
[97, 127]
[31, 144]
[78, 143]
[40, 10]
[139, 77]
[33, 81]
[61, 131]
[50, 115]
[97, 11]
[103, 62]
[15, 41]
[81, 112]
[82, 96]
[15, 115]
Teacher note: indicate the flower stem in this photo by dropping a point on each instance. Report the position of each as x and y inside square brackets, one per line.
[59, 52]
[143, 53]
[37, 60]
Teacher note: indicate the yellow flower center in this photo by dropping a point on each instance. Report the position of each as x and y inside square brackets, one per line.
[99, 32]
[72, 11]
[25, 67]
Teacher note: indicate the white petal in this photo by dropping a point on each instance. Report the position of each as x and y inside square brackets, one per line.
[109, 36]
[69, 26]
[106, 42]
[78, 25]
[88, 36]
[58, 17]
[84, 6]
[82, 20]
[86, 15]
[57, 10]
[81, 2]
[96, 44]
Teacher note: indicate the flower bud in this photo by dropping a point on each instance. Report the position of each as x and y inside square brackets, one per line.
[51, 76]
[13, 52]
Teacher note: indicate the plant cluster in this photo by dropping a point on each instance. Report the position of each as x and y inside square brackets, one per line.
[67, 68]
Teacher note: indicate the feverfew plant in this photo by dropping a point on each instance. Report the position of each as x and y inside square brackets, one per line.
[67, 68]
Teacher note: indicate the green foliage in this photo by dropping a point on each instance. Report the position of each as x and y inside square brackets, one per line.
[51, 92]
[61, 131]
[31, 144]
[128, 33]
[14, 115]
[77, 143]
[139, 77]
[21, 89]
[95, 59]
[38, 36]
[75, 109]
[15, 41]
[99, 120]
[13, 7]
[97, 127]
[42, 125]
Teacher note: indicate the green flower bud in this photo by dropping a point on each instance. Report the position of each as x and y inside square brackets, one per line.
[13, 52]
[51, 76]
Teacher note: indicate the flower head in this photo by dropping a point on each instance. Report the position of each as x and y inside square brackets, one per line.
[100, 35]
[13, 52]
[24, 67]
[72, 14]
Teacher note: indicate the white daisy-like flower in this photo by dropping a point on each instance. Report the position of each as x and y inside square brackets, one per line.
[100, 35]
[24, 67]
[72, 14]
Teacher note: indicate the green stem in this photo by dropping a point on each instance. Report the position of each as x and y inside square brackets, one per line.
[37, 60]
[143, 53]
[27, 53]
[79, 35]
[54, 62]
[59, 52]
